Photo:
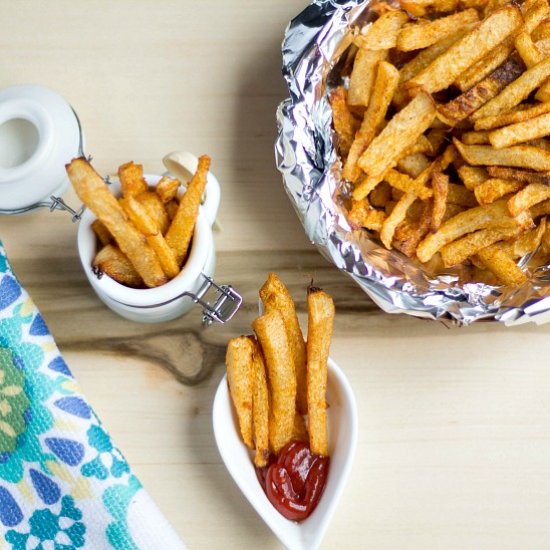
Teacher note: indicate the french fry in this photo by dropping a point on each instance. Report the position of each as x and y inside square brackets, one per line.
[472, 176]
[409, 233]
[382, 34]
[527, 49]
[241, 376]
[152, 204]
[501, 265]
[275, 296]
[413, 165]
[102, 233]
[519, 156]
[112, 262]
[480, 217]
[525, 176]
[139, 217]
[400, 133]
[344, 122]
[528, 197]
[493, 189]
[475, 138]
[395, 218]
[460, 250]
[171, 209]
[526, 243]
[440, 186]
[362, 76]
[419, 8]
[131, 179]
[361, 215]
[407, 184]
[512, 117]
[182, 227]
[458, 194]
[417, 36]
[380, 195]
[442, 72]
[167, 189]
[385, 84]
[260, 408]
[321, 312]
[92, 191]
[516, 91]
[272, 336]
[521, 132]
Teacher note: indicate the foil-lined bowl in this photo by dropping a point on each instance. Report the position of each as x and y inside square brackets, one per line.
[314, 45]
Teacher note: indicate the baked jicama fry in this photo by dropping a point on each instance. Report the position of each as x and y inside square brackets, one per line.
[131, 179]
[260, 408]
[111, 261]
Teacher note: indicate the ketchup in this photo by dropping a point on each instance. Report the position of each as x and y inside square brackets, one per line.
[295, 482]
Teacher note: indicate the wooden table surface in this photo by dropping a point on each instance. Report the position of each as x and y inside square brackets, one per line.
[454, 424]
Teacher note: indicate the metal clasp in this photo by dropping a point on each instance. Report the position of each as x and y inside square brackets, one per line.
[224, 308]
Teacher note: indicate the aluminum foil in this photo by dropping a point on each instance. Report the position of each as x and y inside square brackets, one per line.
[306, 156]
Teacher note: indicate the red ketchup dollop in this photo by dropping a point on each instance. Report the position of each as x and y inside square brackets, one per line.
[295, 482]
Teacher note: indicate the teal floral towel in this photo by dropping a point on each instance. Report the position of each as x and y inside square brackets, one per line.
[63, 484]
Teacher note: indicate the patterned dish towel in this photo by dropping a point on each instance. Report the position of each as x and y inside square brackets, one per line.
[63, 484]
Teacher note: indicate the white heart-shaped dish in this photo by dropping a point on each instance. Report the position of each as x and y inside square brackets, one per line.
[342, 418]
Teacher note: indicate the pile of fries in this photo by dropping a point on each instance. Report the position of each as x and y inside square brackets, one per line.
[275, 377]
[441, 127]
[145, 236]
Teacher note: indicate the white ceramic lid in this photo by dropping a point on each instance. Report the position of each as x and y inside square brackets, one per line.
[40, 115]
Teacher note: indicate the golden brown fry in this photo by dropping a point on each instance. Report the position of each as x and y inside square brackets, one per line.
[272, 336]
[167, 189]
[521, 132]
[516, 91]
[423, 34]
[501, 265]
[362, 76]
[409, 233]
[131, 179]
[407, 185]
[395, 218]
[458, 194]
[260, 408]
[527, 49]
[102, 233]
[155, 209]
[472, 176]
[475, 138]
[400, 133]
[362, 215]
[112, 262]
[441, 73]
[320, 308]
[139, 217]
[344, 122]
[440, 186]
[239, 360]
[525, 176]
[181, 229]
[520, 156]
[413, 165]
[171, 209]
[526, 243]
[299, 432]
[385, 84]
[527, 197]
[382, 34]
[92, 191]
[380, 196]
[511, 117]
[493, 189]
[275, 296]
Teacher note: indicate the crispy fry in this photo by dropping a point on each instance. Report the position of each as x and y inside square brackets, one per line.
[472, 176]
[171, 209]
[320, 308]
[525, 176]
[527, 197]
[182, 227]
[527, 49]
[470, 48]
[260, 408]
[344, 122]
[421, 35]
[362, 215]
[521, 132]
[272, 336]
[400, 133]
[409, 233]
[139, 217]
[382, 34]
[481, 217]
[407, 185]
[526, 243]
[395, 218]
[512, 117]
[515, 92]
[275, 296]
[167, 189]
[440, 186]
[413, 165]
[155, 209]
[380, 195]
[93, 192]
[458, 194]
[111, 261]
[239, 360]
[501, 265]
[493, 189]
[460, 250]
[131, 179]
[475, 138]
[362, 76]
[521, 156]
[385, 84]
[102, 233]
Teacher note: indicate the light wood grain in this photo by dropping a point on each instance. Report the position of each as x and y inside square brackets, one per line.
[454, 445]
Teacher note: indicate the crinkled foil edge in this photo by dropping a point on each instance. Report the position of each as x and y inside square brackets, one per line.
[306, 156]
